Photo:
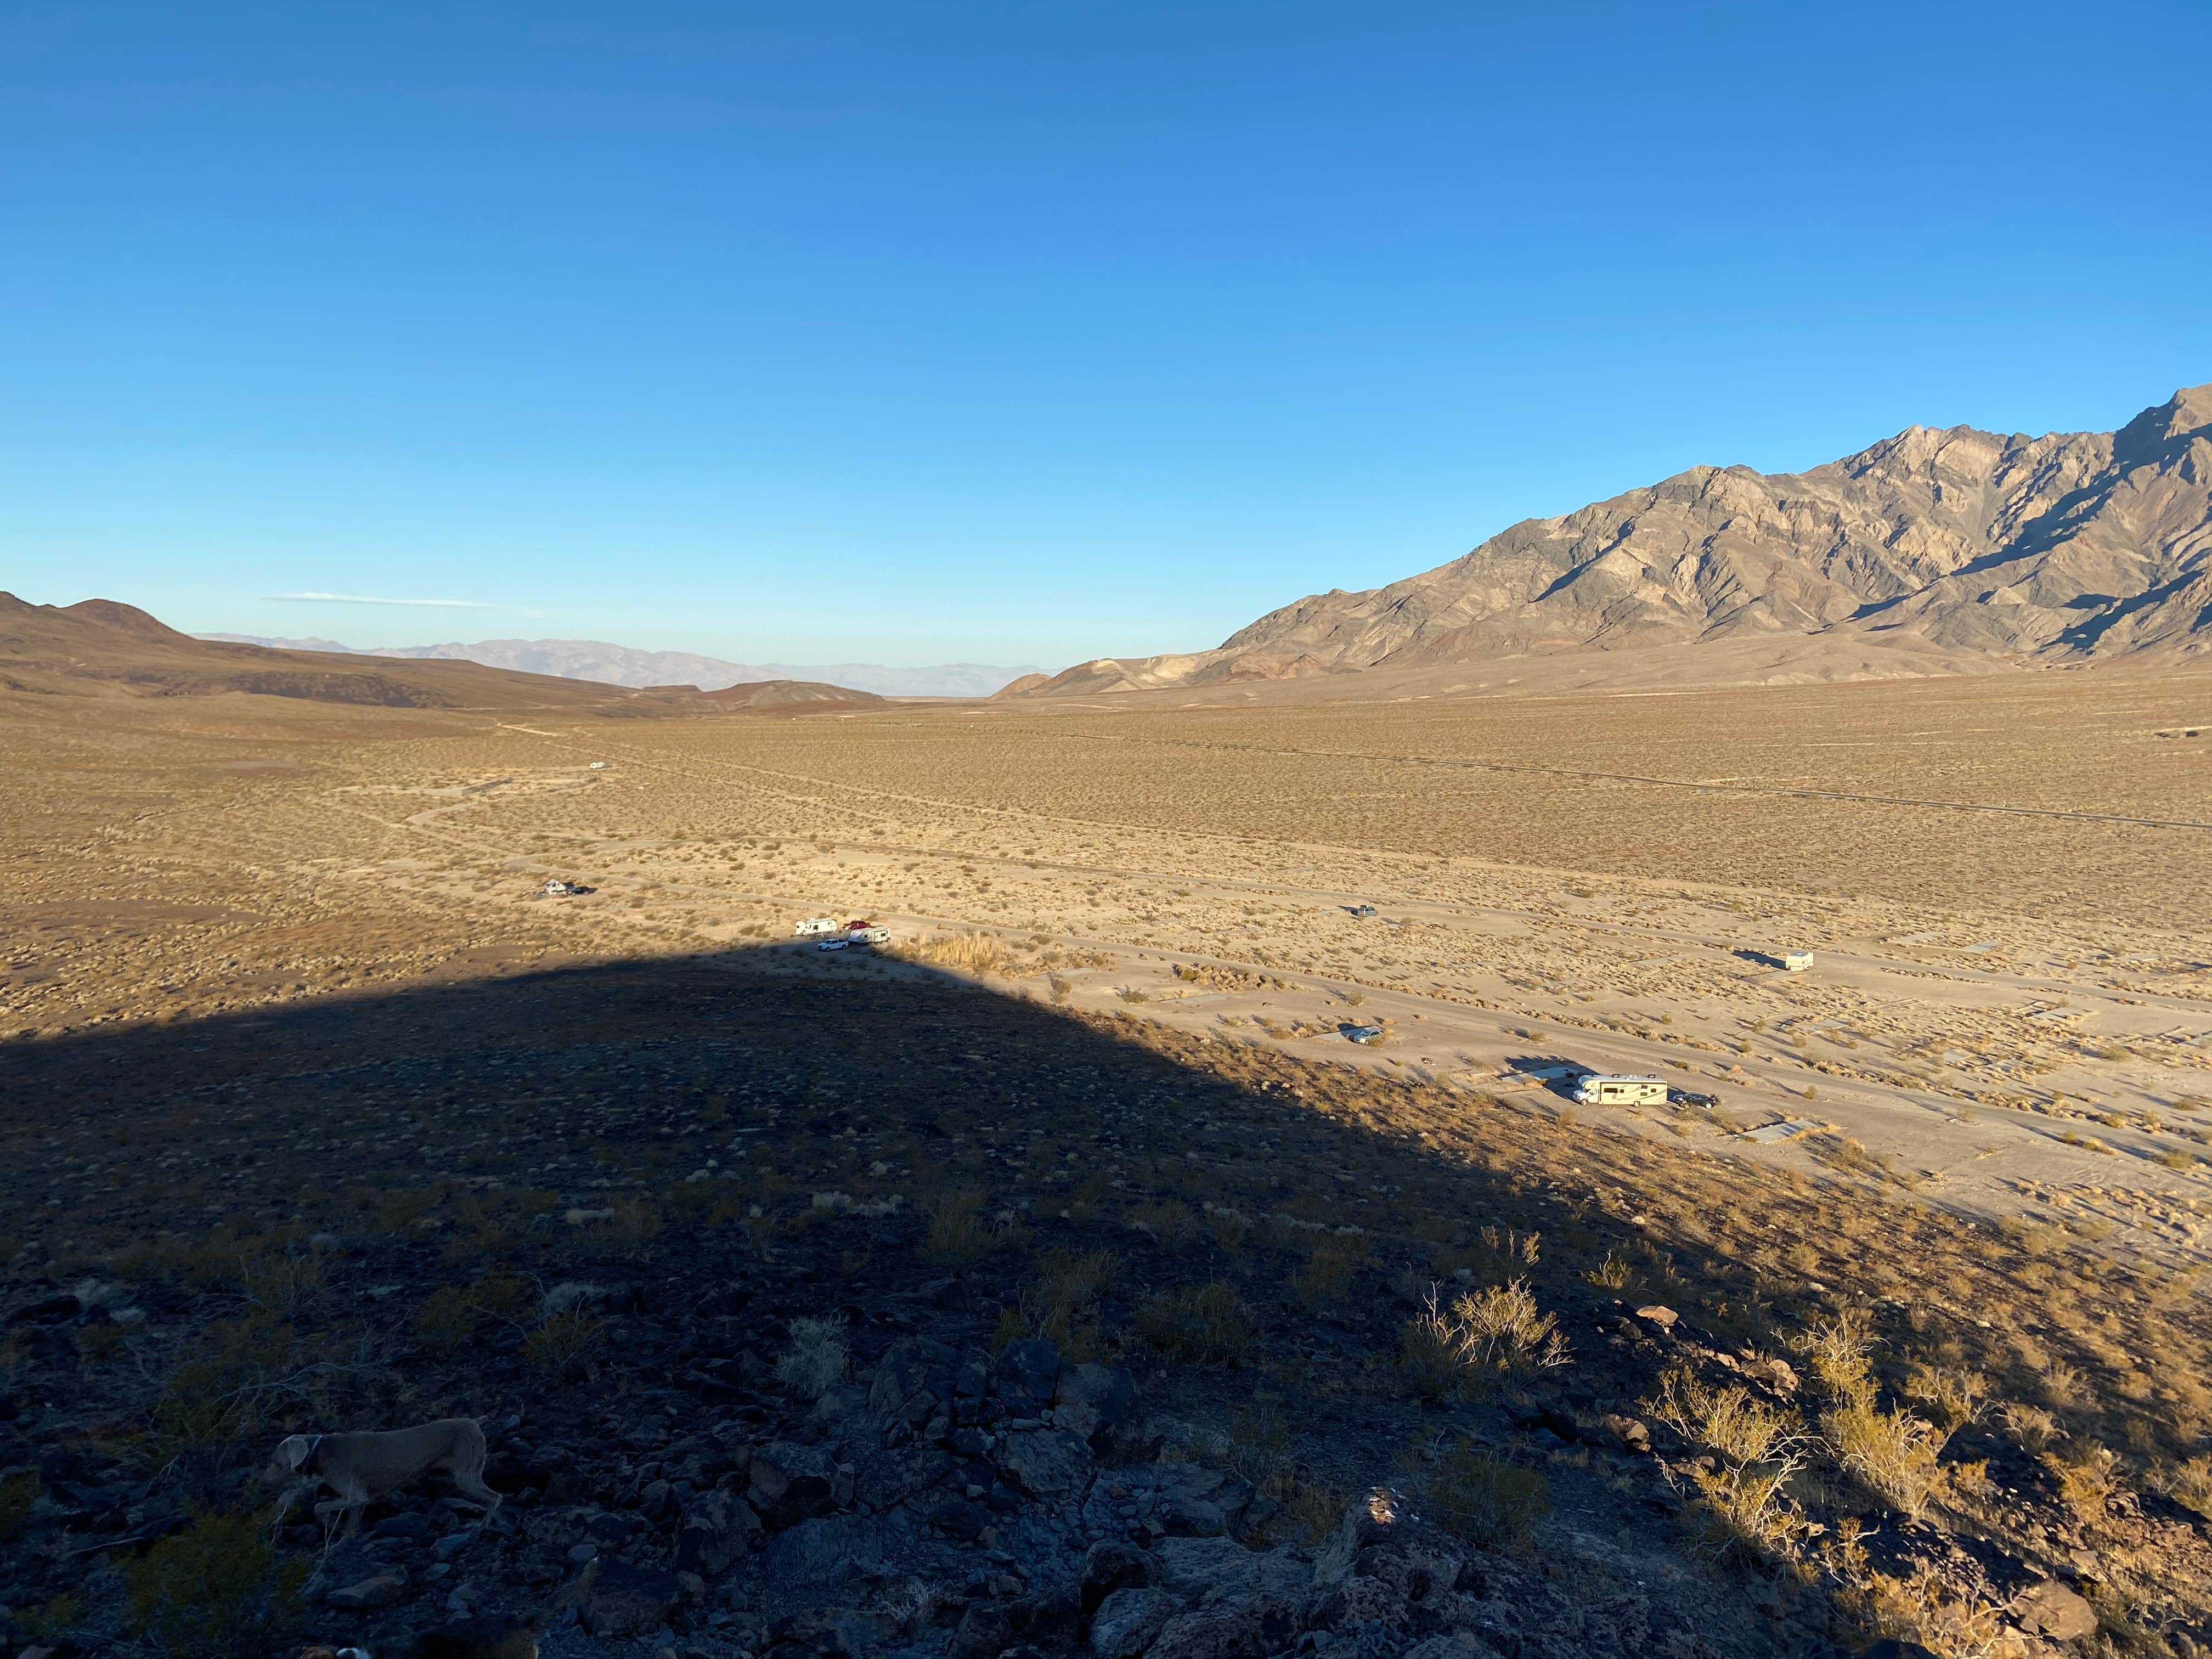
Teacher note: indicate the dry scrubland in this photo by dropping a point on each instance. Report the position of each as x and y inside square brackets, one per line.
[304, 1072]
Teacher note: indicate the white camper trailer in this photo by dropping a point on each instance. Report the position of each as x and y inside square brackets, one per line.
[814, 924]
[1601, 1089]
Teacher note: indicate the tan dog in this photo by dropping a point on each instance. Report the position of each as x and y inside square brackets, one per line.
[361, 1467]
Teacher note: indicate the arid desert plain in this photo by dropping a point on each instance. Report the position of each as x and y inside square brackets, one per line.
[292, 1023]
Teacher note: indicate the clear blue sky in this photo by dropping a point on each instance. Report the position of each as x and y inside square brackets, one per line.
[912, 332]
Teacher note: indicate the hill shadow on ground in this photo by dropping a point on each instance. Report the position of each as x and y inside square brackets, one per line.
[594, 1206]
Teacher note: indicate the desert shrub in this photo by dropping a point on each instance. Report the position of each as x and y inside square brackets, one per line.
[958, 1235]
[1228, 1226]
[2032, 1428]
[815, 1362]
[1200, 1325]
[2086, 1479]
[445, 1321]
[1728, 1420]
[2188, 1483]
[1326, 1277]
[1837, 1351]
[1892, 1453]
[564, 1344]
[977, 953]
[1173, 1225]
[1613, 1274]
[17, 1493]
[450, 1315]
[1954, 1397]
[1059, 1301]
[216, 1589]
[281, 1281]
[1453, 1352]
[1744, 1509]
[1491, 1502]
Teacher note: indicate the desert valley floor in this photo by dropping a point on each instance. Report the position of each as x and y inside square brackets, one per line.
[2003, 882]
[348, 1121]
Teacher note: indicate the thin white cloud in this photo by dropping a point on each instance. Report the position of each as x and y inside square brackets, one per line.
[362, 599]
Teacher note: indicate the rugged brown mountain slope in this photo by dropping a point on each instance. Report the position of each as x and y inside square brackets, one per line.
[2069, 545]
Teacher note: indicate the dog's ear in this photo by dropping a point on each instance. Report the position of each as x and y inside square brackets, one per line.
[291, 1451]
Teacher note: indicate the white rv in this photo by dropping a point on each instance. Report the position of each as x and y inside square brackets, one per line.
[1599, 1089]
[814, 924]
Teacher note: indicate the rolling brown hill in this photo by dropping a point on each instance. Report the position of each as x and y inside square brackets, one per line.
[2069, 546]
[98, 647]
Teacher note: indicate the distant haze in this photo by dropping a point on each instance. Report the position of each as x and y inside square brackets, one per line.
[618, 665]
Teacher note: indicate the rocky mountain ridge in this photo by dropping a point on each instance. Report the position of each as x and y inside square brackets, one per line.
[2067, 547]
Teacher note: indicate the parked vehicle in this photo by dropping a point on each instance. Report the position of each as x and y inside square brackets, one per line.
[1362, 1033]
[831, 944]
[1690, 1098]
[814, 924]
[1627, 1088]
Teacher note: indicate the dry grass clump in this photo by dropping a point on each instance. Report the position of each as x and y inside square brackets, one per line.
[1456, 1351]
[958, 1235]
[1200, 1325]
[1327, 1279]
[1062, 1300]
[1173, 1225]
[973, 953]
[562, 1346]
[816, 1359]
[1491, 1502]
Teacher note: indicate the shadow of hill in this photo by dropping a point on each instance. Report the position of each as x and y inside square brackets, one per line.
[350, 1212]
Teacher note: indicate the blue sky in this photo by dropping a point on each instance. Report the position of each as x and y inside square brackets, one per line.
[1022, 332]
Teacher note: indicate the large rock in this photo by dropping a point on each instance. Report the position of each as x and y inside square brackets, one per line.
[1026, 1376]
[1048, 1464]
[891, 1477]
[628, 1601]
[1357, 1600]
[2053, 1612]
[1213, 1568]
[833, 1547]
[1100, 1403]
[1110, 1565]
[788, 1483]
[1380, 1538]
[1128, 1619]
[717, 1530]
[906, 1370]
[1234, 1628]
[984, 1631]
[379, 1590]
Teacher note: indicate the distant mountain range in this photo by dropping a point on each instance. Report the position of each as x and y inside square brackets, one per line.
[1934, 544]
[618, 665]
[99, 648]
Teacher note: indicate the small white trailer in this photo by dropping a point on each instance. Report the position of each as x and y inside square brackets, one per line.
[814, 924]
[867, 935]
[1620, 1089]
[1797, 961]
